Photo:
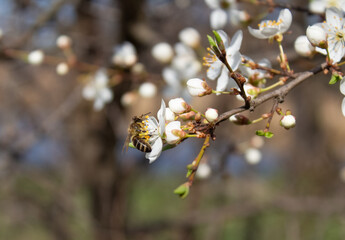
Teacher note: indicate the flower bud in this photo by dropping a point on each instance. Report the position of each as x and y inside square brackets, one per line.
[317, 36]
[125, 55]
[303, 46]
[147, 90]
[288, 121]
[239, 119]
[162, 52]
[204, 171]
[187, 116]
[128, 99]
[211, 114]
[252, 156]
[62, 69]
[172, 136]
[63, 42]
[36, 57]
[178, 105]
[218, 19]
[190, 37]
[197, 87]
[169, 115]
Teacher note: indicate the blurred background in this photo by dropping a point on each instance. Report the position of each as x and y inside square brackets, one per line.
[63, 173]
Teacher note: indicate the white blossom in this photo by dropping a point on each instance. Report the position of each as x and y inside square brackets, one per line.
[342, 86]
[317, 35]
[178, 105]
[335, 29]
[63, 42]
[169, 115]
[269, 28]
[343, 107]
[211, 114]
[218, 19]
[217, 70]
[147, 90]
[224, 11]
[253, 156]
[184, 66]
[163, 52]
[288, 121]
[303, 47]
[124, 55]
[156, 130]
[98, 91]
[190, 37]
[319, 6]
[36, 57]
[62, 68]
[204, 171]
[255, 74]
[171, 138]
[128, 98]
[197, 87]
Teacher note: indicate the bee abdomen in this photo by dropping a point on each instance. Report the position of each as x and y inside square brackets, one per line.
[141, 145]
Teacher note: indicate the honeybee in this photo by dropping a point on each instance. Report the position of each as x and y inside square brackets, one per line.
[138, 134]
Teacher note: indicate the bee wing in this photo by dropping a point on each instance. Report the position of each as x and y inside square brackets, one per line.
[126, 143]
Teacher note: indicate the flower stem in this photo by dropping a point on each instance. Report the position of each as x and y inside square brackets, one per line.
[272, 86]
[282, 56]
[257, 120]
[192, 109]
[221, 92]
[197, 160]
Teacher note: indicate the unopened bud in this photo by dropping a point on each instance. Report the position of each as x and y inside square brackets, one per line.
[64, 42]
[317, 36]
[190, 37]
[187, 116]
[62, 69]
[163, 52]
[239, 119]
[253, 155]
[147, 90]
[303, 46]
[211, 114]
[288, 121]
[198, 87]
[178, 105]
[36, 57]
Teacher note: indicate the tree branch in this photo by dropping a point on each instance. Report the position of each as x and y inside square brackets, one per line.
[278, 93]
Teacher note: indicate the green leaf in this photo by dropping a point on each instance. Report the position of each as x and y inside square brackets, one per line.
[212, 42]
[260, 133]
[182, 190]
[269, 134]
[334, 79]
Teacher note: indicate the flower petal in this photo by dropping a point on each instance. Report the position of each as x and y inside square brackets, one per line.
[170, 137]
[333, 17]
[156, 150]
[161, 117]
[106, 94]
[89, 92]
[269, 31]
[235, 60]
[342, 86]
[343, 107]
[286, 17]
[256, 33]
[223, 80]
[214, 70]
[236, 41]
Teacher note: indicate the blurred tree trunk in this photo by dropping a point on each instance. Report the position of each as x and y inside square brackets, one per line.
[95, 149]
